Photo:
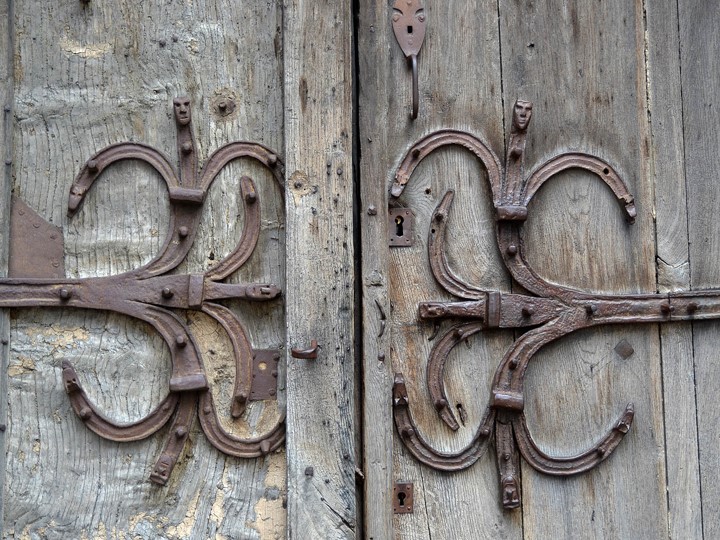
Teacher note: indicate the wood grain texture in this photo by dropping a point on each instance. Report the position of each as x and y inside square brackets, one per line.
[459, 80]
[699, 49]
[89, 75]
[6, 148]
[320, 271]
[668, 173]
[583, 66]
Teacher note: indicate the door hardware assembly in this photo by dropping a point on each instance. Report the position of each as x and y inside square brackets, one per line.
[549, 311]
[408, 21]
[151, 293]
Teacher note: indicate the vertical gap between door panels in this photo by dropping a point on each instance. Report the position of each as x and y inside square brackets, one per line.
[358, 348]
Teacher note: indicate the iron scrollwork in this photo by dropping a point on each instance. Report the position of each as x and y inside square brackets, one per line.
[152, 293]
[550, 312]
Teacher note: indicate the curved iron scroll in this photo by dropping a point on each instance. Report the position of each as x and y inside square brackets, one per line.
[151, 293]
[551, 311]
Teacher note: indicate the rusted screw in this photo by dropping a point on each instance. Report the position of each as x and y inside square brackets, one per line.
[65, 294]
[92, 166]
[186, 147]
[167, 292]
[183, 232]
[181, 432]
[513, 363]
[372, 210]
[180, 341]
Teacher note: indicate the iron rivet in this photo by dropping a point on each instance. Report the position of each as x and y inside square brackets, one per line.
[181, 341]
[85, 413]
[506, 456]
[7, 108]
[162, 42]
[241, 398]
[485, 432]
[274, 373]
[309, 471]
[65, 294]
[372, 210]
[92, 166]
[207, 409]
[298, 185]
[222, 106]
[174, 38]
[408, 432]
[340, 171]
[183, 232]
[167, 292]
[272, 160]
[8, 162]
[250, 197]
[601, 451]
[265, 447]
[665, 308]
[415, 153]
[440, 404]
[272, 391]
[186, 147]
[439, 216]
[3, 427]
[512, 250]
[513, 363]
[527, 311]
[180, 432]
[590, 309]
[692, 307]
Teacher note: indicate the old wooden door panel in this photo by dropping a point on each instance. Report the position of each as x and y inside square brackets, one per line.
[85, 76]
[604, 77]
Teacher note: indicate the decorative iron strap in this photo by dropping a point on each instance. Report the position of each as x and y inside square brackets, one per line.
[151, 294]
[553, 312]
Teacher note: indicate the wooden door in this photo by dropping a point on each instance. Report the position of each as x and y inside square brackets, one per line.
[79, 76]
[632, 83]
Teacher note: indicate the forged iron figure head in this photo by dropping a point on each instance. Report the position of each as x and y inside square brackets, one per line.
[181, 106]
[522, 112]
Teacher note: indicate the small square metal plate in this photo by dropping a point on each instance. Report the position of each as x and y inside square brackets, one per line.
[403, 500]
[400, 227]
[265, 374]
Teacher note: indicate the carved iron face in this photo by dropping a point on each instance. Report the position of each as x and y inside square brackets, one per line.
[409, 25]
[522, 112]
[182, 110]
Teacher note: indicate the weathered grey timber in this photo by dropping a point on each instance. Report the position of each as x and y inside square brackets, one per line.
[699, 50]
[668, 174]
[460, 87]
[587, 78]
[321, 276]
[88, 75]
[6, 93]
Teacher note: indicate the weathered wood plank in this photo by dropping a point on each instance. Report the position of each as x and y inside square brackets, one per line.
[671, 229]
[582, 64]
[459, 79]
[699, 49]
[90, 75]
[6, 93]
[320, 271]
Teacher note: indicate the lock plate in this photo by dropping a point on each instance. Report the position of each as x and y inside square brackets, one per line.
[265, 374]
[400, 227]
[403, 498]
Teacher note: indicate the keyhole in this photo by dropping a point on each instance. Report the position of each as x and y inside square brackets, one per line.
[410, 29]
[399, 226]
[401, 498]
